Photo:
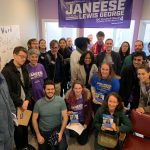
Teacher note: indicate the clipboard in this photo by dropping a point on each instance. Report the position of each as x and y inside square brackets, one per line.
[23, 116]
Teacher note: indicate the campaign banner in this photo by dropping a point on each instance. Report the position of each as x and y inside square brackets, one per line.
[95, 13]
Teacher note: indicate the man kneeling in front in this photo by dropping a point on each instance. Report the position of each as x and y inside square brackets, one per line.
[50, 120]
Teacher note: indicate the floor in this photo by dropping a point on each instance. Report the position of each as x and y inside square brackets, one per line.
[72, 143]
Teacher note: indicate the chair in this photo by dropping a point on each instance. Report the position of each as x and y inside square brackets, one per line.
[141, 125]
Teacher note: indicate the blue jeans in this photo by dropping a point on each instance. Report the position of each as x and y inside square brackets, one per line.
[62, 145]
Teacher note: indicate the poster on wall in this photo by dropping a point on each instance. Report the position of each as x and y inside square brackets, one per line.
[95, 13]
[9, 39]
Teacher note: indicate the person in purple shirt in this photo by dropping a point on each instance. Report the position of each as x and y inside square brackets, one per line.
[37, 74]
[78, 100]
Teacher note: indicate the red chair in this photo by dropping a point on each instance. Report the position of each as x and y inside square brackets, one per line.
[140, 124]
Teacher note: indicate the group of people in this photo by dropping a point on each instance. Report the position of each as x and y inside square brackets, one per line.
[87, 80]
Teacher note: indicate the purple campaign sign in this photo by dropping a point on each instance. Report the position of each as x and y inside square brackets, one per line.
[95, 13]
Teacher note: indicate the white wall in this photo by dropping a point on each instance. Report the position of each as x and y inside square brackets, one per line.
[22, 13]
[145, 19]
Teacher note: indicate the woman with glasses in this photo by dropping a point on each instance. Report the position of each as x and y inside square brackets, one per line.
[37, 74]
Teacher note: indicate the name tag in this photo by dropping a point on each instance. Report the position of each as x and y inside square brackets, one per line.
[52, 62]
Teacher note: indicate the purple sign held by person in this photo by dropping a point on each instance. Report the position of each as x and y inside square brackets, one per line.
[95, 13]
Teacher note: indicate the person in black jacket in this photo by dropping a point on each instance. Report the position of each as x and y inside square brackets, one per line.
[129, 83]
[19, 87]
[55, 66]
[65, 52]
[42, 49]
[124, 51]
[109, 57]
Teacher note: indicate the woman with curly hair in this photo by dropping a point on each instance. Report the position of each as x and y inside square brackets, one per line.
[85, 69]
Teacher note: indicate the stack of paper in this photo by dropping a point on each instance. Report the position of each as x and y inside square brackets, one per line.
[77, 127]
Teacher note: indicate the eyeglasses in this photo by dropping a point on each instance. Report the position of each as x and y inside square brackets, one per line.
[22, 56]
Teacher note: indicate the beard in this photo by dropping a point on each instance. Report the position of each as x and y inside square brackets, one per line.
[49, 97]
[138, 50]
